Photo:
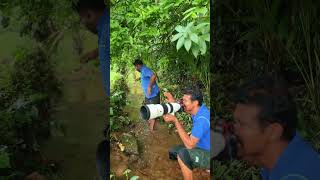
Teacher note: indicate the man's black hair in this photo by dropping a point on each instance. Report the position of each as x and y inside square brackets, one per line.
[89, 4]
[195, 94]
[137, 62]
[272, 96]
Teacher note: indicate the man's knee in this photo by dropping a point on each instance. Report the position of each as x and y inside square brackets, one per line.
[173, 153]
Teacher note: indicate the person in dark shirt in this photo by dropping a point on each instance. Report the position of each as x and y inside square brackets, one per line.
[265, 122]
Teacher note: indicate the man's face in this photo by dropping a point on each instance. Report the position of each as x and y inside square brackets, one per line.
[138, 67]
[252, 137]
[188, 104]
[89, 19]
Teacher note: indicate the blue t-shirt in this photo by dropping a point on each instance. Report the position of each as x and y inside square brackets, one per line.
[299, 161]
[103, 29]
[201, 127]
[146, 74]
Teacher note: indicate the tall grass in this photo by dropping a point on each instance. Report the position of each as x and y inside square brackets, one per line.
[308, 63]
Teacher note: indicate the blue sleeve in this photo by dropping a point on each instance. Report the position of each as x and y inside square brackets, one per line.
[199, 128]
[104, 55]
[147, 72]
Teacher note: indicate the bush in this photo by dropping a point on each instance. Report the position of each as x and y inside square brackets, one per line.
[118, 100]
[26, 100]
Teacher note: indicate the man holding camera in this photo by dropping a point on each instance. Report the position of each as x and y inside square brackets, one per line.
[149, 85]
[195, 151]
[265, 126]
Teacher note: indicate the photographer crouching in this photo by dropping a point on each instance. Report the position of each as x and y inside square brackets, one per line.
[195, 151]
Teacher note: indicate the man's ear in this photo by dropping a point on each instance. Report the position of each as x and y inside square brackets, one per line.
[195, 102]
[274, 131]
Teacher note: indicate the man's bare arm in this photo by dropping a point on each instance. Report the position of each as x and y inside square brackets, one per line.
[189, 141]
[152, 80]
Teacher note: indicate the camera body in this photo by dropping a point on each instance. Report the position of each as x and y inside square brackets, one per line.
[224, 141]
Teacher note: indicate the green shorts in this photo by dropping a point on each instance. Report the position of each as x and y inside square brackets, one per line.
[192, 158]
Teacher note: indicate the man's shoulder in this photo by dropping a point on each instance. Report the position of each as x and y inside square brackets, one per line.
[203, 117]
[308, 155]
[204, 112]
[303, 164]
[307, 151]
[144, 68]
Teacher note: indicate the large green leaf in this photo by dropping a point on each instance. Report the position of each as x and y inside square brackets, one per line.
[180, 43]
[206, 37]
[194, 38]
[189, 10]
[190, 24]
[203, 46]
[202, 25]
[176, 36]
[180, 29]
[187, 44]
[4, 160]
[195, 50]
[202, 10]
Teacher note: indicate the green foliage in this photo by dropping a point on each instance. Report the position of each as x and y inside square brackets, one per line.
[145, 29]
[29, 86]
[134, 178]
[30, 91]
[126, 173]
[33, 74]
[118, 100]
[304, 52]
[235, 170]
[28, 96]
[4, 158]
[186, 120]
[38, 19]
[193, 36]
[195, 33]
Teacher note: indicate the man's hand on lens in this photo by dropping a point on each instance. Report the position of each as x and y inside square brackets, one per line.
[170, 118]
[169, 97]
